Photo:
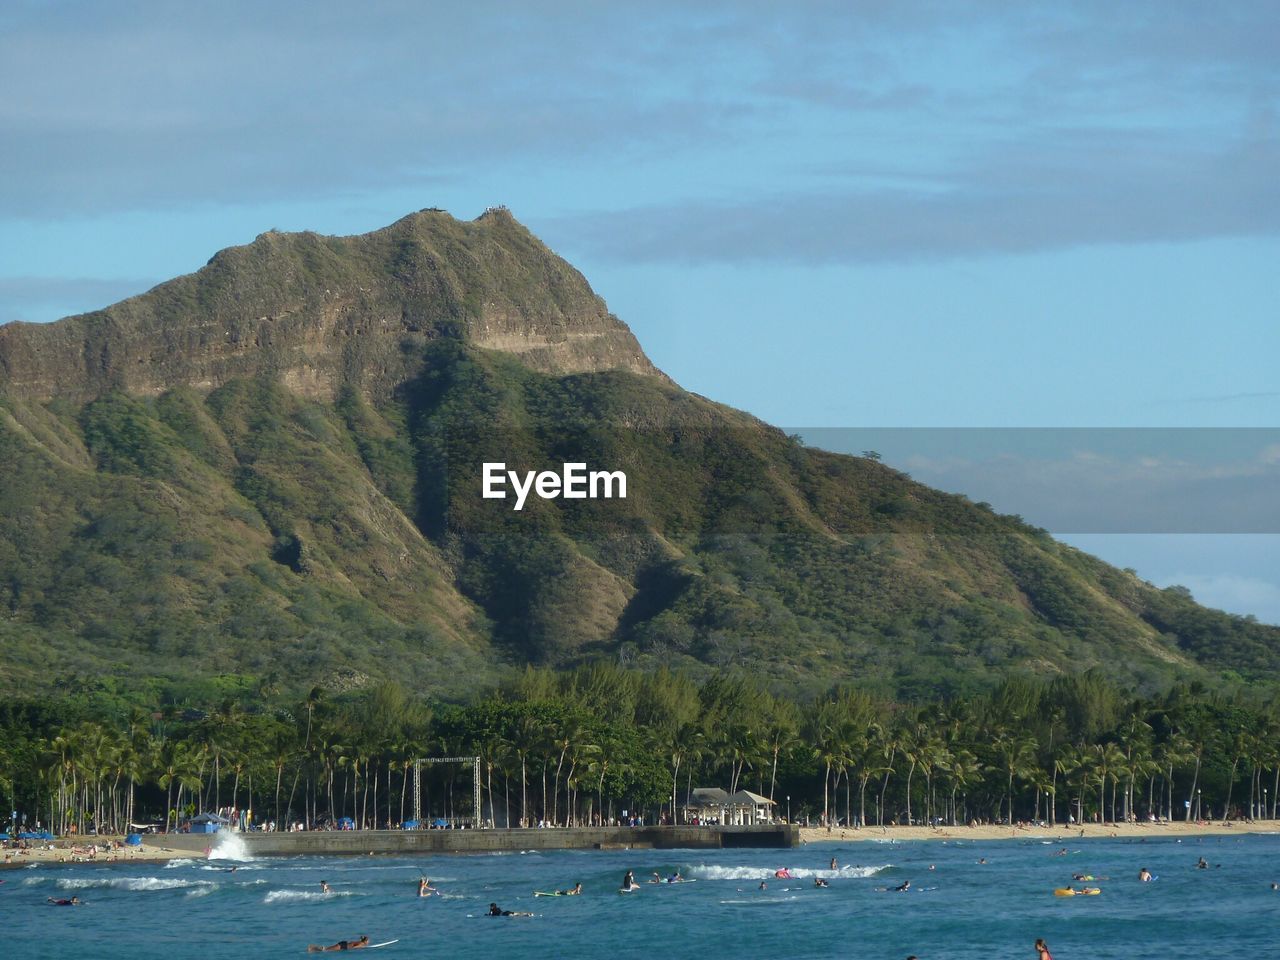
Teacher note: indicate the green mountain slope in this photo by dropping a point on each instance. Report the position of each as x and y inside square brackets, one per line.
[272, 469]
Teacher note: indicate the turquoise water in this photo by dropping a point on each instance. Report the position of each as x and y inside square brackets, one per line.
[273, 907]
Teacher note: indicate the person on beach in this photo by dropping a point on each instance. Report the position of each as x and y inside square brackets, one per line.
[356, 944]
[497, 911]
[324, 887]
[425, 889]
[1042, 951]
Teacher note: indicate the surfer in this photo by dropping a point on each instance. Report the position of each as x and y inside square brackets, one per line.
[675, 878]
[819, 882]
[1144, 875]
[834, 865]
[763, 885]
[425, 889]
[782, 873]
[72, 902]
[629, 882]
[572, 892]
[324, 887]
[1202, 864]
[497, 911]
[902, 887]
[1042, 951]
[356, 944]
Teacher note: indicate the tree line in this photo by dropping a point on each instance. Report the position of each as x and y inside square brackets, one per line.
[581, 747]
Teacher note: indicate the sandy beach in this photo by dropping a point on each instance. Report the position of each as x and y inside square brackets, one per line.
[67, 851]
[1060, 832]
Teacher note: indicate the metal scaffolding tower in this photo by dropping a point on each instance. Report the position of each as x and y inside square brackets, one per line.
[476, 819]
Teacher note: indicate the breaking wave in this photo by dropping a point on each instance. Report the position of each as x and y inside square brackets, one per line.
[713, 872]
[130, 883]
[302, 896]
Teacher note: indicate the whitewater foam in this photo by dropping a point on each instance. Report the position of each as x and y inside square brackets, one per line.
[302, 896]
[707, 871]
[130, 883]
[228, 846]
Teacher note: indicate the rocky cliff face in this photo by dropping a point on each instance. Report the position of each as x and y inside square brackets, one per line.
[318, 313]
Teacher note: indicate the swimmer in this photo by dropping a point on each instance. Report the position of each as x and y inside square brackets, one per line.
[763, 885]
[425, 889]
[497, 911]
[834, 865]
[982, 860]
[1042, 951]
[819, 882]
[1144, 875]
[902, 887]
[1202, 864]
[73, 902]
[324, 887]
[783, 873]
[340, 945]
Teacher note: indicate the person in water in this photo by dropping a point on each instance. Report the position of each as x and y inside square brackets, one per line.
[357, 944]
[834, 865]
[425, 889]
[72, 902]
[324, 887]
[819, 882]
[571, 892]
[1202, 864]
[1144, 875]
[902, 887]
[1042, 951]
[763, 885]
[675, 878]
[497, 911]
[629, 880]
[782, 873]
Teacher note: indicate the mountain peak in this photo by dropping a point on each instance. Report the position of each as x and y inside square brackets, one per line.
[321, 312]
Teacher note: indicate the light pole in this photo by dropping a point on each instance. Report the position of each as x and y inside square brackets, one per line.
[1197, 803]
[1264, 804]
[788, 808]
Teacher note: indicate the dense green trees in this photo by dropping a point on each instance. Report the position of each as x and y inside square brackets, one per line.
[580, 747]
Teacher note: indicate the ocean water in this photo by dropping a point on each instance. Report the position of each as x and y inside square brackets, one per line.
[961, 909]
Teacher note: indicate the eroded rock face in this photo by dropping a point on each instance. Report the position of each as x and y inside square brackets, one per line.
[320, 312]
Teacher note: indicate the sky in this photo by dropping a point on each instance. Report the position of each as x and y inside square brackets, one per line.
[869, 214]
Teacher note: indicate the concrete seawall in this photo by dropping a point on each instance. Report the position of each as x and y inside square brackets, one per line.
[365, 842]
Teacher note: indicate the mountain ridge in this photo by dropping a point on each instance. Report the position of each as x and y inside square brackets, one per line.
[275, 306]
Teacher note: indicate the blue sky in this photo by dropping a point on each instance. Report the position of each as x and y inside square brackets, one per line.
[834, 215]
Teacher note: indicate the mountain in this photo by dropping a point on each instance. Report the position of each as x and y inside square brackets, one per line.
[271, 471]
